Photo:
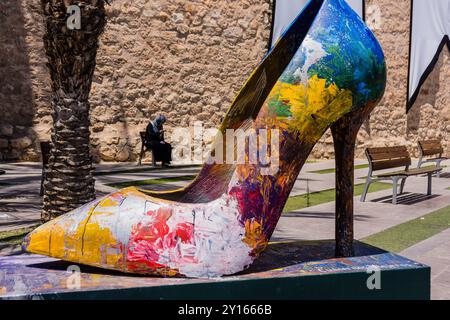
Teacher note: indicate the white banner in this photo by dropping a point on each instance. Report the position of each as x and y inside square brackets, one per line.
[430, 30]
[285, 11]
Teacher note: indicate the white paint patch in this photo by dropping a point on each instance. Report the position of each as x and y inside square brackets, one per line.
[313, 51]
[218, 249]
[131, 213]
[73, 219]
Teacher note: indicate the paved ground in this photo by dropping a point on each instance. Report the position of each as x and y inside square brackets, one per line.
[19, 195]
[20, 206]
[372, 216]
[434, 252]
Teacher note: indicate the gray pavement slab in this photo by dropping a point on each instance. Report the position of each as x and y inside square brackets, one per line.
[435, 252]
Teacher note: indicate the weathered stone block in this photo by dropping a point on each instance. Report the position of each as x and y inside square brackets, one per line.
[6, 130]
[21, 143]
[3, 143]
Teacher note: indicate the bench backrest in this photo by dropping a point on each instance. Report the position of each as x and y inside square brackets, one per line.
[388, 157]
[431, 147]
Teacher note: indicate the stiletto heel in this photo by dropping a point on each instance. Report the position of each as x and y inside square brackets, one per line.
[326, 70]
[344, 150]
[344, 132]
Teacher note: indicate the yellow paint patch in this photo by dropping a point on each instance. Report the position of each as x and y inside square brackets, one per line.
[57, 245]
[39, 239]
[100, 247]
[108, 202]
[131, 191]
[65, 244]
[314, 106]
[80, 238]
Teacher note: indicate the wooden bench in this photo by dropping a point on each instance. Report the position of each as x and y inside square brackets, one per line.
[144, 148]
[393, 157]
[431, 151]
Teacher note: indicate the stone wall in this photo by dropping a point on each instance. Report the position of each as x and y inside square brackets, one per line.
[24, 91]
[187, 60]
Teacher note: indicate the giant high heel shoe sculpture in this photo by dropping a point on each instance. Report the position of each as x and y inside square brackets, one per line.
[327, 65]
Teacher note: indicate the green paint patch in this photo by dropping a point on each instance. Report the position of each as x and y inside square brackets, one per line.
[15, 236]
[316, 198]
[144, 169]
[126, 184]
[405, 235]
[333, 170]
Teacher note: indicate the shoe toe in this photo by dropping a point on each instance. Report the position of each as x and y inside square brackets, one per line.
[38, 241]
[95, 234]
[61, 237]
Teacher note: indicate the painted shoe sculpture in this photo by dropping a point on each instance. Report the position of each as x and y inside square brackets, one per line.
[327, 64]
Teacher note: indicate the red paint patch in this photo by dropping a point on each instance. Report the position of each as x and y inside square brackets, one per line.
[149, 241]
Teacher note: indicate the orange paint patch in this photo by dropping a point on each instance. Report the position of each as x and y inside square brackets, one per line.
[254, 236]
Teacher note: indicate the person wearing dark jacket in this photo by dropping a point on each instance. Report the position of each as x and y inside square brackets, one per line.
[154, 134]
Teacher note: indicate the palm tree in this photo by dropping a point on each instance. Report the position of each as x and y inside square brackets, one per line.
[71, 55]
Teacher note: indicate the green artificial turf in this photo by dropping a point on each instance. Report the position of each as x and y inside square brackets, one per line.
[15, 236]
[145, 168]
[125, 184]
[402, 236]
[333, 170]
[316, 198]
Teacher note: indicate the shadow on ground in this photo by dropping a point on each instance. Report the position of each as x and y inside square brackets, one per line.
[20, 200]
[322, 215]
[407, 198]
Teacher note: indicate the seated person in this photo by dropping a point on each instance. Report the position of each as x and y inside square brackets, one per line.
[162, 151]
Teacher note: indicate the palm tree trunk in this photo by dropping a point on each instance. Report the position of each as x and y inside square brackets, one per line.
[71, 54]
